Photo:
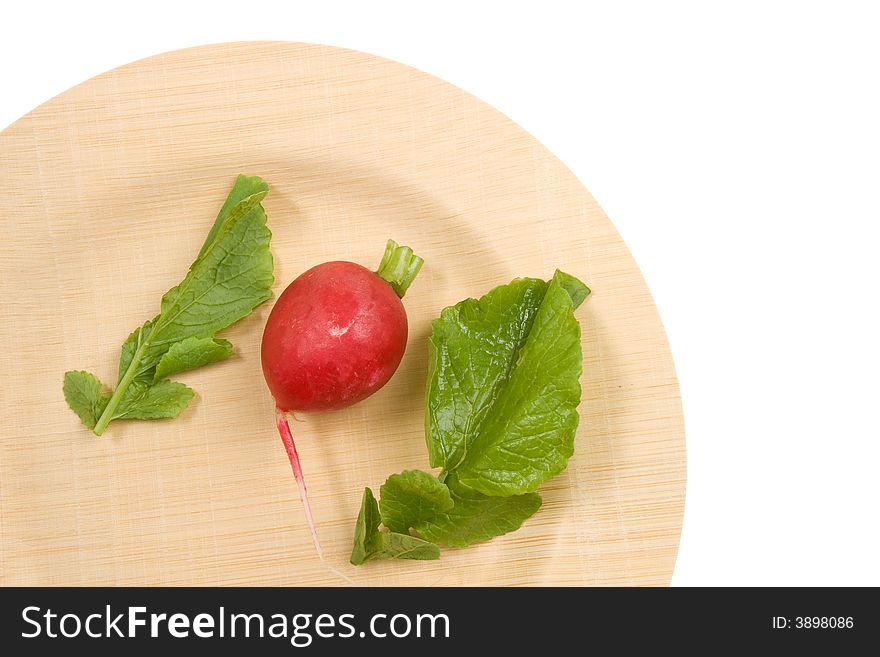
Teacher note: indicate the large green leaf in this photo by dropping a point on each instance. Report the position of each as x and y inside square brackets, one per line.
[230, 277]
[503, 385]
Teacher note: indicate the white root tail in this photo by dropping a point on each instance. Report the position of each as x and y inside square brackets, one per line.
[290, 447]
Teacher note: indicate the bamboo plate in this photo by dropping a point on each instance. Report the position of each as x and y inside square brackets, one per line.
[108, 191]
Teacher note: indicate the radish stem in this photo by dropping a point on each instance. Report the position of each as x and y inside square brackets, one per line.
[290, 447]
[399, 267]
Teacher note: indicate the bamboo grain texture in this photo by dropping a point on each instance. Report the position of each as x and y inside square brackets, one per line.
[109, 190]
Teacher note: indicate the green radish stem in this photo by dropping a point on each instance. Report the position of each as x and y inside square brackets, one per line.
[122, 386]
[399, 267]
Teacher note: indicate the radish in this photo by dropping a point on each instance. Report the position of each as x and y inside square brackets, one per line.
[335, 336]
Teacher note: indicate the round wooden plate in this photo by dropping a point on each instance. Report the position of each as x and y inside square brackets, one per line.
[108, 192]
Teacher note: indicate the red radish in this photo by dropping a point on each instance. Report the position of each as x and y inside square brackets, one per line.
[335, 336]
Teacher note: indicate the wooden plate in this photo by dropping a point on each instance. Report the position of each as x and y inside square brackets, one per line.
[108, 191]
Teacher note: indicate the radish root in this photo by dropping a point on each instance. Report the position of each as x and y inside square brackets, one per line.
[290, 447]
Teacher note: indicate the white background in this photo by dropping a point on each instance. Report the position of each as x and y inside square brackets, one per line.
[737, 150]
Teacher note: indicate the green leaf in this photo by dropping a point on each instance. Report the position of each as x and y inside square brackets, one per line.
[84, 394]
[144, 401]
[472, 350]
[130, 347]
[503, 389]
[575, 288]
[403, 546]
[244, 188]
[503, 386]
[241, 206]
[475, 517]
[366, 529]
[411, 497]
[225, 283]
[191, 353]
[370, 543]
[230, 277]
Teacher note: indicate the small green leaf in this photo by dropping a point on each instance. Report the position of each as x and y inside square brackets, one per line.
[575, 288]
[191, 353]
[410, 497]
[245, 187]
[366, 530]
[403, 546]
[370, 543]
[142, 401]
[475, 517]
[85, 395]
